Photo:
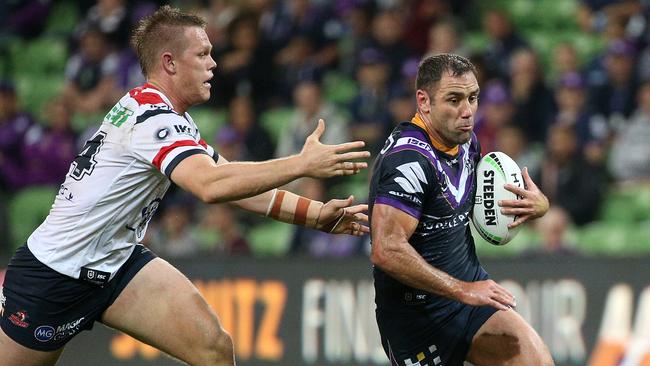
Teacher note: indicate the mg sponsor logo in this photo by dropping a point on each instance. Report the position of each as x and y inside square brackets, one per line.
[72, 326]
[44, 333]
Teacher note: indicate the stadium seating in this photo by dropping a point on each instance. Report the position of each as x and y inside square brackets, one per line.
[209, 120]
[271, 239]
[274, 120]
[27, 209]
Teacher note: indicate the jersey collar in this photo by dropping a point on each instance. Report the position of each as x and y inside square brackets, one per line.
[435, 141]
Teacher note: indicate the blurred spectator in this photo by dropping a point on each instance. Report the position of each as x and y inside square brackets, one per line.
[297, 62]
[534, 105]
[401, 105]
[357, 18]
[565, 60]
[567, 179]
[172, 236]
[309, 108]
[370, 119]
[244, 66]
[24, 18]
[218, 15]
[219, 231]
[49, 150]
[444, 37]
[630, 153]
[128, 74]
[91, 74]
[552, 229]
[504, 40]
[111, 18]
[422, 17]
[496, 112]
[511, 140]
[599, 15]
[229, 143]
[388, 39]
[316, 243]
[591, 130]
[615, 97]
[257, 141]
[14, 124]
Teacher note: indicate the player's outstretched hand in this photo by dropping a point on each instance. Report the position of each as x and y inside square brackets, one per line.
[488, 292]
[324, 161]
[533, 202]
[339, 217]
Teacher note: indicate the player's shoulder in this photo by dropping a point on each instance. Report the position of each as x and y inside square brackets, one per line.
[148, 104]
[407, 142]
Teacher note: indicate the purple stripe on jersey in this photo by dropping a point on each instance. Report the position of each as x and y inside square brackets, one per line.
[398, 205]
[416, 134]
[424, 152]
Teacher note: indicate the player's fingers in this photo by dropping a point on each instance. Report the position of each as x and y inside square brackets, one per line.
[516, 190]
[497, 305]
[363, 229]
[361, 217]
[504, 298]
[518, 211]
[358, 209]
[513, 203]
[347, 146]
[353, 155]
[530, 185]
[320, 128]
[520, 220]
[341, 203]
[350, 167]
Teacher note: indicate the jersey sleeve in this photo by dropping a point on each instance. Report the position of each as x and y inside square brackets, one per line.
[405, 182]
[164, 140]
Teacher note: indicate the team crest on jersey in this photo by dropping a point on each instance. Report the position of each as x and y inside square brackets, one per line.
[19, 319]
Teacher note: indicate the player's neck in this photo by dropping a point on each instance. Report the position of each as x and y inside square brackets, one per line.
[436, 141]
[176, 103]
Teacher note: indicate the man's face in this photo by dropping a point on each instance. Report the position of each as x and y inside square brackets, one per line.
[451, 108]
[194, 67]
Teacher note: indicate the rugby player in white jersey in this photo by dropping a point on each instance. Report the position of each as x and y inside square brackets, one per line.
[84, 263]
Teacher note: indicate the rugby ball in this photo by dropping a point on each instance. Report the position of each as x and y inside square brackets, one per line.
[494, 170]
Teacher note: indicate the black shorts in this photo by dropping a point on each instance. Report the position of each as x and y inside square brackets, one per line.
[44, 309]
[412, 336]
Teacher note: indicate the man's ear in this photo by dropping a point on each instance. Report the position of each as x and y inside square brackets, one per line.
[424, 100]
[168, 63]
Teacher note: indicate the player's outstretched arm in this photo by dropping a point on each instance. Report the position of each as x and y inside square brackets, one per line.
[336, 216]
[212, 182]
[391, 251]
[533, 202]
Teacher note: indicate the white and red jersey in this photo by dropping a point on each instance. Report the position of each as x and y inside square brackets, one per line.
[115, 184]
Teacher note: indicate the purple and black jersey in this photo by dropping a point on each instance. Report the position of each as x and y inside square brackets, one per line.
[438, 190]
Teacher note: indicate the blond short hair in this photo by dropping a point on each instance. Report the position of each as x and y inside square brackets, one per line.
[159, 32]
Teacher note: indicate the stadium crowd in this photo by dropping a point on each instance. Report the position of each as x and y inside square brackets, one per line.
[565, 91]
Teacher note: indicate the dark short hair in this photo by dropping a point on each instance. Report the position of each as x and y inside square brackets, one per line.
[161, 31]
[431, 68]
